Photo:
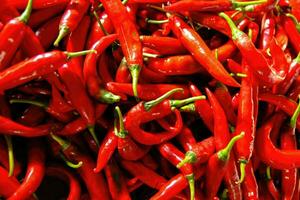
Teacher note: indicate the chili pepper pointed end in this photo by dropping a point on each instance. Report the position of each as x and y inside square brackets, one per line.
[191, 181]
[63, 31]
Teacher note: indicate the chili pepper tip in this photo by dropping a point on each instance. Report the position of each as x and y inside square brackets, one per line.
[26, 14]
[190, 157]
[63, 31]
[108, 97]
[191, 181]
[11, 160]
[149, 104]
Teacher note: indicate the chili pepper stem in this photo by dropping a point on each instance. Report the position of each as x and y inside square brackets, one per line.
[27, 101]
[152, 21]
[191, 181]
[180, 103]
[121, 133]
[149, 104]
[108, 97]
[63, 31]
[243, 164]
[69, 163]
[100, 23]
[91, 129]
[78, 53]
[236, 33]
[63, 143]
[294, 19]
[268, 173]
[188, 108]
[224, 154]
[190, 157]
[237, 4]
[135, 71]
[11, 160]
[26, 14]
[294, 118]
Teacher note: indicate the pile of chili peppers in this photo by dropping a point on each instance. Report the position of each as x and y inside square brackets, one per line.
[149, 99]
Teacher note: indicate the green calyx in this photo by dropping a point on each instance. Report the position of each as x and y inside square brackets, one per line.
[180, 103]
[63, 143]
[295, 116]
[107, 97]
[63, 32]
[121, 133]
[135, 71]
[26, 14]
[149, 104]
[294, 19]
[224, 154]
[91, 129]
[78, 53]
[235, 32]
[191, 181]
[11, 160]
[190, 157]
[31, 102]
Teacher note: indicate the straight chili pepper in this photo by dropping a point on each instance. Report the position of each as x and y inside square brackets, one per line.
[186, 138]
[195, 44]
[249, 185]
[35, 67]
[271, 186]
[128, 37]
[65, 175]
[34, 174]
[21, 4]
[11, 36]
[71, 18]
[94, 182]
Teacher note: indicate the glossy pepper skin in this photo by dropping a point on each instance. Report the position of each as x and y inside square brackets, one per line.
[196, 46]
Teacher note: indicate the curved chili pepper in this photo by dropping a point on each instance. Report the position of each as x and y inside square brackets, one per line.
[47, 32]
[94, 182]
[173, 155]
[116, 182]
[217, 164]
[148, 91]
[12, 34]
[91, 79]
[210, 6]
[268, 74]
[34, 174]
[186, 139]
[147, 111]
[37, 66]
[146, 175]
[127, 148]
[194, 43]
[71, 18]
[128, 36]
[9, 184]
[64, 174]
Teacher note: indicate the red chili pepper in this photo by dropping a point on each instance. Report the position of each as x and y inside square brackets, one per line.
[271, 187]
[148, 91]
[150, 162]
[65, 175]
[128, 37]
[267, 30]
[21, 4]
[123, 74]
[71, 18]
[249, 185]
[194, 44]
[47, 32]
[11, 36]
[103, 68]
[32, 116]
[297, 189]
[186, 139]
[267, 73]
[35, 67]
[116, 182]
[210, 6]
[217, 164]
[95, 182]
[91, 79]
[146, 175]
[73, 127]
[34, 174]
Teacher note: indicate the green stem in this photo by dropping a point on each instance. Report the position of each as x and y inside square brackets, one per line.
[91, 129]
[191, 181]
[294, 118]
[107, 97]
[190, 157]
[224, 154]
[63, 32]
[188, 108]
[152, 21]
[294, 19]
[79, 53]
[63, 143]
[135, 71]
[100, 23]
[237, 4]
[297, 59]
[149, 104]
[236, 33]
[11, 160]
[121, 133]
[180, 103]
[69, 163]
[243, 164]
[31, 102]
[217, 54]
[150, 55]
[26, 14]
[268, 173]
